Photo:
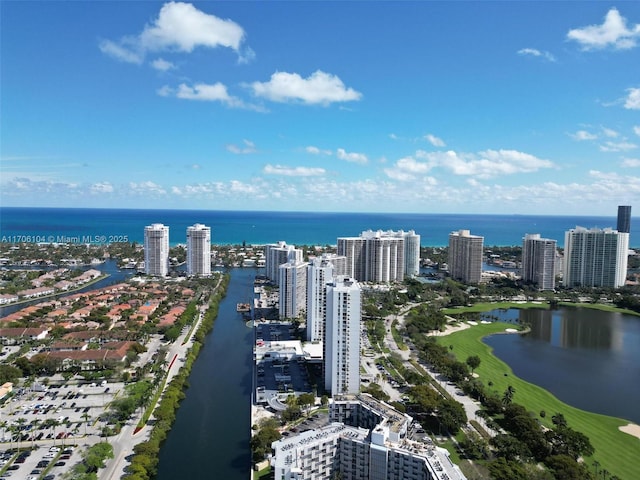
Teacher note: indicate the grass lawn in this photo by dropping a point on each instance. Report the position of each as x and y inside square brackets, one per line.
[616, 451]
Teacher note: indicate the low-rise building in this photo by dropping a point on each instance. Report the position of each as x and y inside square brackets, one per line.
[367, 440]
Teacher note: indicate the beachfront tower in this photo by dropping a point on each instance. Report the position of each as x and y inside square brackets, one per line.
[156, 250]
[624, 218]
[199, 250]
[539, 262]
[342, 337]
[465, 256]
[595, 258]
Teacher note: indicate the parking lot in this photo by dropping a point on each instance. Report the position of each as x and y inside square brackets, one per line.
[278, 373]
[60, 416]
[47, 463]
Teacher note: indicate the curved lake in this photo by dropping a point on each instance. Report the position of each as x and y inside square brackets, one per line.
[210, 437]
[589, 359]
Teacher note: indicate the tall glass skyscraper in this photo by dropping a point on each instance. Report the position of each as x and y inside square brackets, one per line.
[624, 218]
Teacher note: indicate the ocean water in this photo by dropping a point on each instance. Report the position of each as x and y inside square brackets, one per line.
[83, 225]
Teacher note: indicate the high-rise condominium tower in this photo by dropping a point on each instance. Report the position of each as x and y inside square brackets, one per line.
[199, 250]
[465, 256]
[278, 253]
[624, 218]
[156, 250]
[320, 271]
[595, 257]
[539, 261]
[342, 337]
[381, 256]
[292, 289]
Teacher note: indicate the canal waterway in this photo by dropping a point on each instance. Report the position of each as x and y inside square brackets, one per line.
[210, 437]
[587, 358]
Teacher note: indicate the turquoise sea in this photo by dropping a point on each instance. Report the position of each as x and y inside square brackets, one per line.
[83, 225]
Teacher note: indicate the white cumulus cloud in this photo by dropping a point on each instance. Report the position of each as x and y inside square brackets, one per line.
[215, 92]
[101, 187]
[612, 33]
[353, 157]
[630, 163]
[319, 88]
[179, 27]
[293, 171]
[317, 151]
[617, 146]
[582, 135]
[485, 164]
[537, 53]
[162, 65]
[636, 130]
[435, 141]
[632, 102]
[248, 147]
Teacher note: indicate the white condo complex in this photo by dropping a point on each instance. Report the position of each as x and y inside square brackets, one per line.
[595, 257]
[381, 256]
[342, 337]
[156, 250]
[366, 440]
[199, 250]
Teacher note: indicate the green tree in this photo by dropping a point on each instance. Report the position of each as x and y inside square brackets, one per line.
[451, 415]
[95, 456]
[473, 362]
[566, 468]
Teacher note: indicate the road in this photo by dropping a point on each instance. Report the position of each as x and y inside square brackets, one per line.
[470, 405]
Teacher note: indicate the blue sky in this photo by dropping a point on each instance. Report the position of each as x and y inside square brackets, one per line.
[461, 107]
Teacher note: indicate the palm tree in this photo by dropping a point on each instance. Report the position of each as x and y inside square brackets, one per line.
[34, 423]
[596, 464]
[86, 417]
[3, 426]
[559, 420]
[507, 397]
[605, 474]
[21, 421]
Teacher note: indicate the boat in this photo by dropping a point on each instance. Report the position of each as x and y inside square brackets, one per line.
[243, 307]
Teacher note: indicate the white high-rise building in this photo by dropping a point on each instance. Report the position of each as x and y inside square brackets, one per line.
[278, 253]
[411, 253]
[292, 293]
[595, 258]
[199, 250]
[465, 256]
[156, 250]
[539, 261]
[320, 272]
[342, 337]
[381, 256]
